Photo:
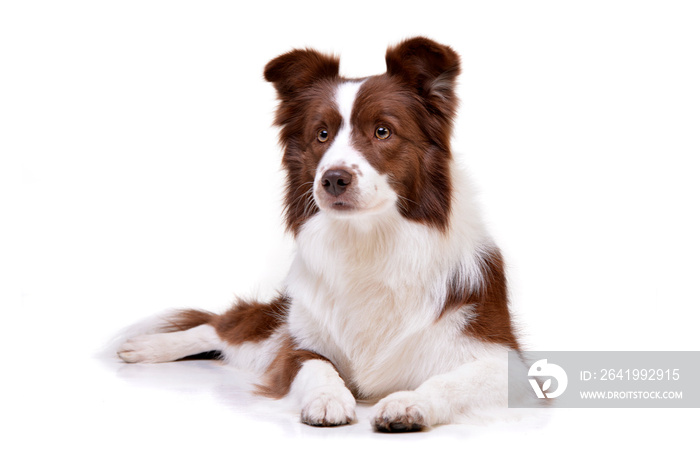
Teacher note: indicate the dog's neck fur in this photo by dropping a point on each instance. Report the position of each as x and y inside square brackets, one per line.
[367, 245]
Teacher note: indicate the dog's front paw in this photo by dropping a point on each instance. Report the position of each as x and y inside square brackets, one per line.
[329, 409]
[401, 412]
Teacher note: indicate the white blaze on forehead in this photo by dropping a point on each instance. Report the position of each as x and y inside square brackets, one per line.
[369, 191]
[341, 153]
[345, 98]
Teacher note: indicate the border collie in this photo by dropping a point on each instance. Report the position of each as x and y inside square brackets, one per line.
[397, 293]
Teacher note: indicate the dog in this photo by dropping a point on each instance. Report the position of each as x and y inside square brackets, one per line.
[397, 294]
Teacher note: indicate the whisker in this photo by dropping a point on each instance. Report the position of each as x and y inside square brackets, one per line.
[403, 202]
[407, 199]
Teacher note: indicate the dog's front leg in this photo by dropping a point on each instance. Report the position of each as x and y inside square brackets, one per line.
[309, 379]
[441, 399]
[324, 399]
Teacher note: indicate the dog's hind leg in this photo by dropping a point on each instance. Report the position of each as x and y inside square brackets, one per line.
[183, 334]
[247, 335]
[165, 347]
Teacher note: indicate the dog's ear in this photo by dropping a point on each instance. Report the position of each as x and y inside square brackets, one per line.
[431, 69]
[296, 70]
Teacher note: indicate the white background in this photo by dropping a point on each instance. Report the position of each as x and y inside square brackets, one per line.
[140, 172]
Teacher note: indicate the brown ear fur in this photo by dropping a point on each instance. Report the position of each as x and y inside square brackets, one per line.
[296, 70]
[430, 68]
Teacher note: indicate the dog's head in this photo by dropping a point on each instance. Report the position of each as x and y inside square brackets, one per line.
[359, 147]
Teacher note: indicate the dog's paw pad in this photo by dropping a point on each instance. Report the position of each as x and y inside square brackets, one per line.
[400, 412]
[329, 410]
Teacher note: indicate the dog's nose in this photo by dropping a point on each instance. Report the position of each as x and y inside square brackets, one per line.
[335, 182]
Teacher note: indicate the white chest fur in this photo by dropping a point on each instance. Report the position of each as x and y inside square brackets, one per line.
[369, 298]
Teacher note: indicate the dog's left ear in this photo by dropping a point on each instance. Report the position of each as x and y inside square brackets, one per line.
[430, 68]
[293, 71]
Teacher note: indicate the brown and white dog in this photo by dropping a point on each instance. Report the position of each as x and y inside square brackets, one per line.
[396, 293]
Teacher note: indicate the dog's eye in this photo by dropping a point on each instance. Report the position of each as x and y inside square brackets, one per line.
[382, 132]
[322, 135]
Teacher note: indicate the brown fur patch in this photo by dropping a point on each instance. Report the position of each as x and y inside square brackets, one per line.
[430, 70]
[491, 321]
[427, 72]
[292, 72]
[416, 160]
[305, 81]
[284, 368]
[185, 320]
[252, 321]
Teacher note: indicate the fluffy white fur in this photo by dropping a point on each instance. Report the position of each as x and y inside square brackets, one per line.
[322, 395]
[162, 347]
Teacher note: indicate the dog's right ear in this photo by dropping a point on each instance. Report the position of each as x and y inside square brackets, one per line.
[296, 70]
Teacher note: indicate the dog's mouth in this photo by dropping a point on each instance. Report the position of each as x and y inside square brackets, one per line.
[342, 206]
[349, 205]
